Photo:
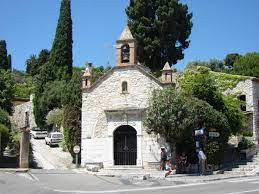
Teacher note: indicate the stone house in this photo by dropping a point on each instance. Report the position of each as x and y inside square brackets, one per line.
[248, 91]
[113, 109]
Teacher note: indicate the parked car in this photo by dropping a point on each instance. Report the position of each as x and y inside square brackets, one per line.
[53, 138]
[38, 133]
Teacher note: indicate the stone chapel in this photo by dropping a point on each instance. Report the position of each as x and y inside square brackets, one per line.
[113, 110]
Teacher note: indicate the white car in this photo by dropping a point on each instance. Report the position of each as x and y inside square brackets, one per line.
[38, 133]
[53, 138]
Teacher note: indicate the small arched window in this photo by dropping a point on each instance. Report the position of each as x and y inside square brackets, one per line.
[124, 87]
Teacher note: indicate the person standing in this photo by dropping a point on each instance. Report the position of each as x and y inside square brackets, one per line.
[163, 158]
[202, 159]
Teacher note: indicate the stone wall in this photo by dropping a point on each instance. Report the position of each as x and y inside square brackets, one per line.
[19, 112]
[108, 95]
[249, 88]
[256, 108]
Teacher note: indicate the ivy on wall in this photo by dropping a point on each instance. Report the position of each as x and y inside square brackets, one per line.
[226, 81]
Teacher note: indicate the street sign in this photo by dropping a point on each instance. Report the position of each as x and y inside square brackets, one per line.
[199, 132]
[76, 149]
[213, 134]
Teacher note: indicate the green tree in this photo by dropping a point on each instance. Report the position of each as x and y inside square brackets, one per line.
[60, 60]
[31, 65]
[4, 118]
[9, 59]
[198, 82]
[3, 55]
[6, 90]
[213, 64]
[72, 103]
[5, 125]
[230, 59]
[247, 65]
[42, 59]
[175, 116]
[34, 63]
[46, 101]
[161, 28]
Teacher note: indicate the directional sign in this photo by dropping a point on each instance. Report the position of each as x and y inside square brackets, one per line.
[213, 134]
[199, 132]
[76, 149]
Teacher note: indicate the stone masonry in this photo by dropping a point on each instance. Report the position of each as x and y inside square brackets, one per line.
[19, 112]
[250, 88]
[98, 127]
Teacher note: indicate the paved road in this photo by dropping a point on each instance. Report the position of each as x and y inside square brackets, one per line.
[64, 181]
[50, 157]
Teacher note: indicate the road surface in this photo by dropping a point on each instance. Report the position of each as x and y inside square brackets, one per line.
[50, 157]
[67, 181]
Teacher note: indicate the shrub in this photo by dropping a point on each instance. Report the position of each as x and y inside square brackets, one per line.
[14, 142]
[245, 144]
[4, 118]
[4, 133]
[247, 133]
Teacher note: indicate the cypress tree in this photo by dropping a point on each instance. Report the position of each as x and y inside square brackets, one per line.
[3, 55]
[61, 53]
[9, 59]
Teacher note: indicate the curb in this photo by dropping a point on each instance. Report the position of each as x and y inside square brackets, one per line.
[14, 169]
[209, 179]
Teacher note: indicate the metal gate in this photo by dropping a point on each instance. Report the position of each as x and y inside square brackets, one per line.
[125, 145]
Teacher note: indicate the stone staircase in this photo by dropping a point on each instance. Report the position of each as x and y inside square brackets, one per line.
[246, 167]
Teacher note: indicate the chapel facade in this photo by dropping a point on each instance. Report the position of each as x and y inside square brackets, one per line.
[113, 110]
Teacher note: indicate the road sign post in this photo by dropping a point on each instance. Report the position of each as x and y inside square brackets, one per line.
[76, 150]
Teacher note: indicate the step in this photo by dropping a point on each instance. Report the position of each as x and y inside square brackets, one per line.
[235, 173]
[243, 170]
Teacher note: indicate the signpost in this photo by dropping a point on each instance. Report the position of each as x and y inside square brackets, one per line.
[76, 150]
[213, 134]
[199, 132]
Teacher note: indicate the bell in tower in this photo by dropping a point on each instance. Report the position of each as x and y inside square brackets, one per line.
[125, 53]
[126, 49]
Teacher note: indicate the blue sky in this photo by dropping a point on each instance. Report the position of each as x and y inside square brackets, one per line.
[220, 27]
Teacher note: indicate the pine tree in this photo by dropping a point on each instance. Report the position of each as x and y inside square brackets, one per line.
[3, 55]
[161, 28]
[61, 53]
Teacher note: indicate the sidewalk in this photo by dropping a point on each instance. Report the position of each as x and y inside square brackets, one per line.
[14, 169]
[143, 174]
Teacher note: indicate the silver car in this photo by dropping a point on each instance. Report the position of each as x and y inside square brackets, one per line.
[38, 133]
[53, 138]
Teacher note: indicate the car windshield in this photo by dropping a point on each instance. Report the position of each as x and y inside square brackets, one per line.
[57, 136]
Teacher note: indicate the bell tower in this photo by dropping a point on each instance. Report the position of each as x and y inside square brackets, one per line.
[126, 49]
[87, 76]
[167, 74]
